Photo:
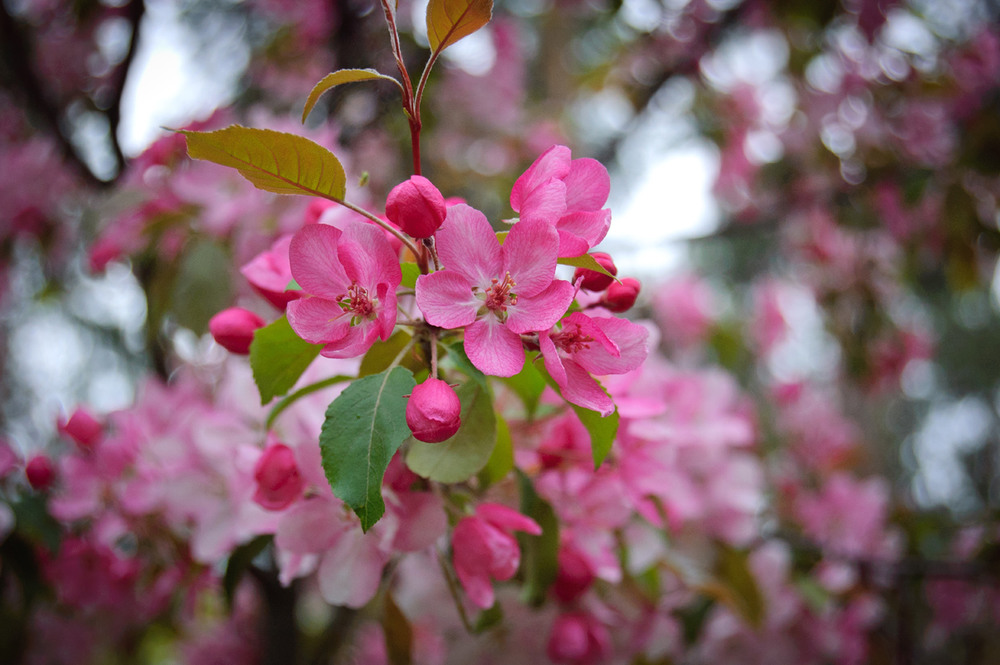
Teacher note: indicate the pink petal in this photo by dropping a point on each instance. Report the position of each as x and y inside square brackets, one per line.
[553, 362]
[529, 255]
[466, 244]
[309, 526]
[318, 320]
[422, 520]
[386, 318]
[494, 349]
[629, 339]
[542, 311]
[583, 390]
[588, 327]
[590, 226]
[587, 185]
[354, 343]
[351, 571]
[571, 245]
[446, 299]
[507, 519]
[368, 256]
[553, 163]
[314, 262]
[546, 203]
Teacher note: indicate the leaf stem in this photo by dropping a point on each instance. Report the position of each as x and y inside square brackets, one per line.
[287, 401]
[407, 242]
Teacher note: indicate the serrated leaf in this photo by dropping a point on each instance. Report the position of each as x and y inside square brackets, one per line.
[381, 354]
[340, 77]
[540, 554]
[459, 458]
[273, 161]
[364, 427]
[278, 357]
[584, 261]
[450, 20]
[501, 460]
[410, 273]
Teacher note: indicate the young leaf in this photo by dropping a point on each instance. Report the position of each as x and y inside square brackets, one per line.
[363, 429]
[272, 161]
[340, 77]
[278, 357]
[463, 455]
[451, 20]
[584, 261]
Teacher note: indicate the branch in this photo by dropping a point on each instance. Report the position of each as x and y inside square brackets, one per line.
[134, 12]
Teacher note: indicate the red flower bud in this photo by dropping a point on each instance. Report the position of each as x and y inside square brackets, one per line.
[83, 428]
[416, 206]
[433, 412]
[593, 280]
[621, 295]
[233, 329]
[278, 480]
[40, 472]
[574, 575]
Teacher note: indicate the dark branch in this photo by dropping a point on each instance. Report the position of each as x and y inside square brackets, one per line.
[134, 12]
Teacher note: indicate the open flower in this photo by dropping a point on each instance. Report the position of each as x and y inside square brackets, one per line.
[569, 195]
[499, 293]
[591, 345]
[352, 277]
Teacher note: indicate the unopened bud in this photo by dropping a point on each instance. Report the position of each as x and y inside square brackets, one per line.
[40, 472]
[279, 482]
[433, 412]
[621, 295]
[83, 428]
[233, 329]
[596, 281]
[574, 575]
[416, 206]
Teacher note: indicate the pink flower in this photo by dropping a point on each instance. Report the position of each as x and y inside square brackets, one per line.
[416, 206]
[499, 292]
[269, 273]
[593, 280]
[575, 574]
[233, 329]
[621, 295]
[352, 276]
[433, 411]
[578, 639]
[588, 346]
[40, 472]
[484, 549]
[83, 428]
[569, 195]
[278, 480]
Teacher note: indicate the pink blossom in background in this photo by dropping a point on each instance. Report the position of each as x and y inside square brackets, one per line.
[685, 309]
[270, 274]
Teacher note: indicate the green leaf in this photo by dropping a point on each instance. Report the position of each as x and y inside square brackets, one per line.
[459, 458]
[340, 77]
[488, 619]
[381, 355]
[450, 20]
[273, 161]
[410, 273]
[398, 633]
[202, 287]
[501, 460]
[584, 261]
[278, 357]
[456, 358]
[602, 429]
[239, 561]
[31, 515]
[363, 429]
[742, 593]
[539, 554]
[529, 385]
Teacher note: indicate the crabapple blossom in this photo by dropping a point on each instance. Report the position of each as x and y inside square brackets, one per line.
[270, 273]
[278, 480]
[620, 296]
[416, 206]
[233, 329]
[40, 472]
[485, 549]
[83, 428]
[496, 293]
[593, 280]
[433, 411]
[577, 638]
[351, 276]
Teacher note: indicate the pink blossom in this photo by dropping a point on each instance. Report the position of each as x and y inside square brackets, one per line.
[233, 329]
[575, 574]
[352, 277]
[588, 346]
[499, 293]
[685, 309]
[278, 480]
[40, 472]
[568, 194]
[433, 411]
[593, 280]
[270, 273]
[621, 295]
[484, 548]
[577, 638]
[83, 428]
[416, 206]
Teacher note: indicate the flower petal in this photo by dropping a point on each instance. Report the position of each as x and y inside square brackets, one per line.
[553, 362]
[368, 256]
[546, 203]
[358, 339]
[542, 311]
[351, 571]
[446, 299]
[529, 255]
[591, 226]
[318, 320]
[629, 339]
[583, 390]
[492, 348]
[466, 244]
[587, 185]
[554, 163]
[507, 519]
[315, 266]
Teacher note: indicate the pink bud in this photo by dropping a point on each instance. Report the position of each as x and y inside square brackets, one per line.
[233, 329]
[40, 472]
[593, 280]
[621, 295]
[578, 639]
[278, 480]
[574, 575]
[433, 412]
[83, 428]
[416, 206]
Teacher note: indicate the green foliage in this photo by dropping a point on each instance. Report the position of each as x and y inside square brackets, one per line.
[410, 273]
[737, 586]
[398, 633]
[539, 554]
[273, 161]
[528, 385]
[450, 20]
[459, 458]
[382, 354]
[202, 286]
[602, 430]
[364, 427]
[584, 261]
[239, 562]
[340, 77]
[501, 460]
[278, 357]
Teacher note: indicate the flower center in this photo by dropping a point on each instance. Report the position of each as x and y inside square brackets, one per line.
[571, 340]
[498, 295]
[358, 303]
